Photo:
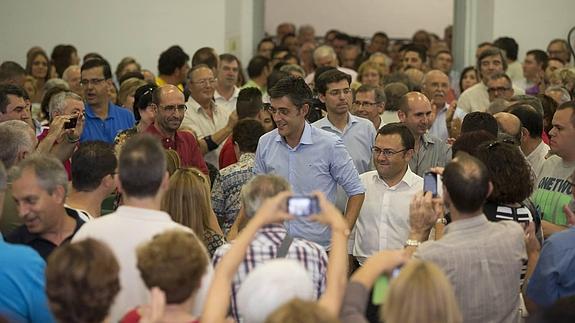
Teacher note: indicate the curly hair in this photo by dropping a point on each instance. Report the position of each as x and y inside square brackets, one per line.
[175, 262]
[82, 281]
[510, 173]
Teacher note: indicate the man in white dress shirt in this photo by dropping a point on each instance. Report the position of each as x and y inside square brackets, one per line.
[383, 221]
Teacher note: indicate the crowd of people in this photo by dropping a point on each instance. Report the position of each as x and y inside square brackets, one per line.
[439, 195]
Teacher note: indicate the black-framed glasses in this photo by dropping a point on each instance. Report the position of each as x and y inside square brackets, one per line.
[385, 152]
[498, 89]
[172, 108]
[94, 82]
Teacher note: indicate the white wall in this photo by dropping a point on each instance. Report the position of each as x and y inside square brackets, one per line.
[113, 28]
[399, 19]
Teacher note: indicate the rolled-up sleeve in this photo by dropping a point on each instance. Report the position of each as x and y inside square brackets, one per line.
[344, 172]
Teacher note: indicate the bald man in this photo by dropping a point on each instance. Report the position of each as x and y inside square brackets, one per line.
[510, 125]
[415, 112]
[436, 87]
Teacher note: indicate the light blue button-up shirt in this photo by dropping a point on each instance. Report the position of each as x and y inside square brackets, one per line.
[318, 163]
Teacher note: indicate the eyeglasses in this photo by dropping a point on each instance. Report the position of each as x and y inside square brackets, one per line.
[365, 104]
[205, 83]
[385, 152]
[273, 111]
[94, 82]
[339, 92]
[172, 108]
[498, 89]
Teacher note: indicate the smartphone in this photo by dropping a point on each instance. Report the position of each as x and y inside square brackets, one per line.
[302, 206]
[430, 183]
[382, 285]
[71, 124]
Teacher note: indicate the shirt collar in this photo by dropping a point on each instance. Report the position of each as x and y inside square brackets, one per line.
[426, 138]
[245, 157]
[306, 137]
[90, 113]
[466, 224]
[217, 94]
[28, 237]
[325, 123]
[142, 214]
[409, 178]
[194, 105]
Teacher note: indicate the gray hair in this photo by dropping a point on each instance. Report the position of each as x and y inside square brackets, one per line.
[59, 83]
[260, 188]
[49, 171]
[3, 181]
[565, 96]
[58, 102]
[68, 70]
[292, 68]
[323, 51]
[16, 137]
[529, 100]
[378, 92]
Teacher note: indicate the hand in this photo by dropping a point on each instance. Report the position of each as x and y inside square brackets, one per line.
[569, 215]
[273, 209]
[450, 111]
[232, 120]
[153, 312]
[385, 261]
[531, 243]
[77, 131]
[329, 214]
[424, 212]
[57, 126]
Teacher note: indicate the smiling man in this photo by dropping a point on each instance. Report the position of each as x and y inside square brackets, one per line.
[435, 87]
[369, 103]
[383, 222]
[39, 186]
[103, 118]
[168, 102]
[309, 158]
[415, 112]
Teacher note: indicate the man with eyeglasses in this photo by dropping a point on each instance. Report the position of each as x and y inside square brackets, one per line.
[168, 102]
[309, 158]
[415, 112]
[383, 222]
[499, 87]
[436, 87]
[210, 122]
[369, 103]
[476, 98]
[103, 118]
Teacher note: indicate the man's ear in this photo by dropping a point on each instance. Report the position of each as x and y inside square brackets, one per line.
[489, 189]
[381, 107]
[305, 109]
[321, 98]
[524, 134]
[401, 115]
[59, 194]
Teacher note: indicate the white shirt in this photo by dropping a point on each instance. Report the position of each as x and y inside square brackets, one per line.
[383, 222]
[228, 105]
[537, 157]
[476, 98]
[123, 231]
[439, 126]
[197, 120]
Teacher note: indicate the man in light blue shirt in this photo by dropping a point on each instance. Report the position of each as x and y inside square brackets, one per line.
[103, 118]
[309, 158]
[22, 293]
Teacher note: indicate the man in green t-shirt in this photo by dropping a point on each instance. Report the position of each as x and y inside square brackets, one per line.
[553, 189]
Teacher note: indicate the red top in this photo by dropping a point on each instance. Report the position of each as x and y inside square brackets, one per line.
[228, 154]
[545, 137]
[185, 144]
[134, 317]
[67, 163]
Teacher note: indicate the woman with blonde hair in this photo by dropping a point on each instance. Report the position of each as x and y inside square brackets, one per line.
[370, 73]
[188, 201]
[38, 66]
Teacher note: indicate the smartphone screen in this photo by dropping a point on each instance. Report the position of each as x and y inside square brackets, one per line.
[71, 124]
[430, 183]
[302, 206]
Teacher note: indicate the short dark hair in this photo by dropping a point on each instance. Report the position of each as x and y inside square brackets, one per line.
[82, 281]
[329, 77]
[172, 59]
[540, 56]
[501, 75]
[226, 57]
[207, 56]
[398, 128]
[9, 89]
[10, 70]
[469, 141]
[467, 181]
[142, 166]
[509, 171]
[265, 40]
[479, 121]
[530, 119]
[568, 105]
[274, 77]
[378, 92]
[257, 65]
[142, 99]
[93, 63]
[342, 36]
[492, 51]
[293, 88]
[249, 103]
[394, 92]
[278, 49]
[93, 161]
[247, 133]
[420, 50]
[61, 57]
[509, 45]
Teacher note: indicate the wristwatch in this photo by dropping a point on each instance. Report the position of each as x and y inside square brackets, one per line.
[412, 243]
[442, 221]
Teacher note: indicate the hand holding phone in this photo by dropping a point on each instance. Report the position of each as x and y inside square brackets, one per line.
[430, 183]
[71, 124]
